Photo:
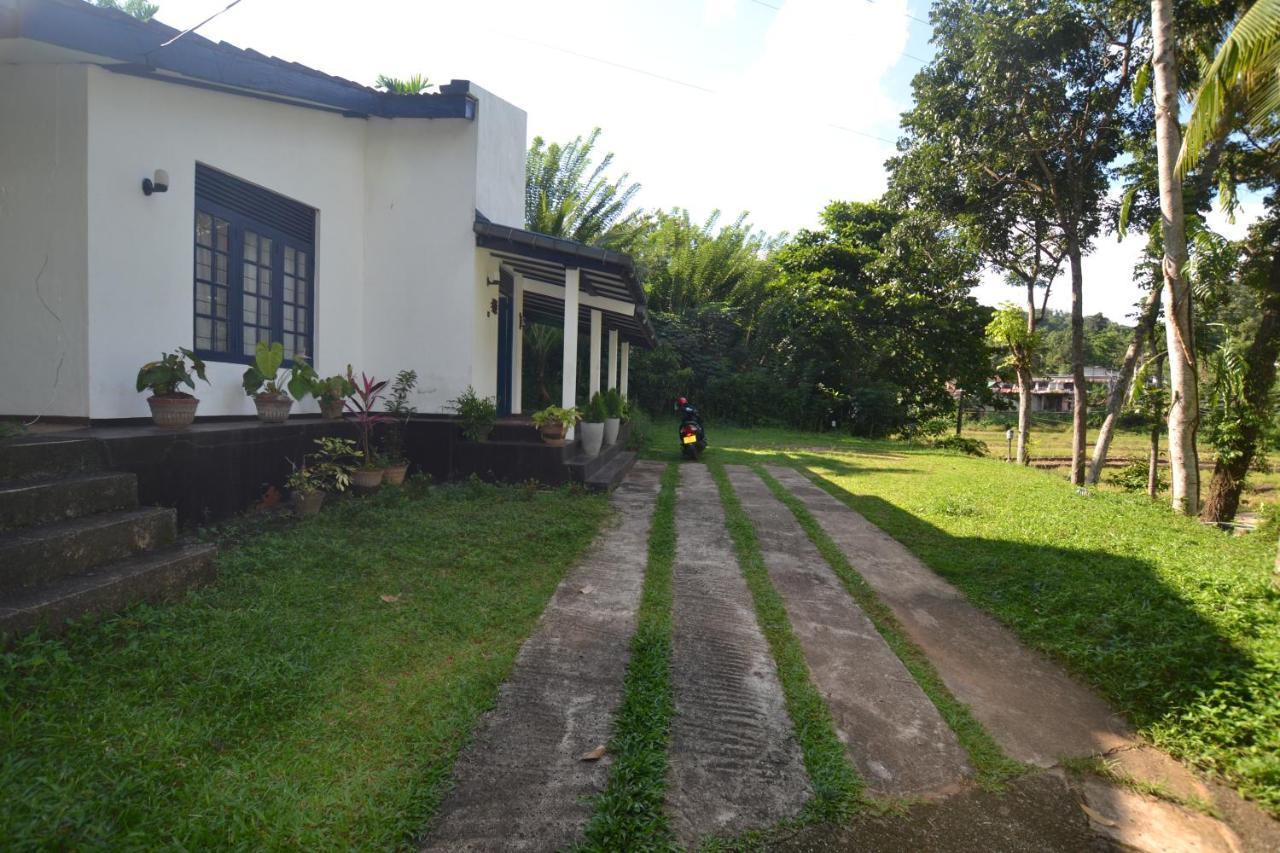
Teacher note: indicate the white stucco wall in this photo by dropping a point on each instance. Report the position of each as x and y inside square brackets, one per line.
[43, 327]
[397, 282]
[141, 248]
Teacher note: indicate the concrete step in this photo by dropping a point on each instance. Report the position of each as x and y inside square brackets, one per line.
[37, 555]
[34, 502]
[156, 576]
[606, 479]
[26, 460]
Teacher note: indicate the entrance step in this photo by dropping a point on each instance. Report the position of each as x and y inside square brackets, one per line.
[29, 503]
[38, 555]
[27, 460]
[155, 576]
[606, 479]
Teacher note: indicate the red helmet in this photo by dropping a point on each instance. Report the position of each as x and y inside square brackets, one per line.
[681, 400]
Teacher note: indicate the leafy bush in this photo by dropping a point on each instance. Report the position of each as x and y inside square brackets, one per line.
[478, 414]
[875, 411]
[596, 411]
[265, 375]
[1133, 477]
[962, 444]
[399, 410]
[641, 431]
[327, 469]
[613, 403]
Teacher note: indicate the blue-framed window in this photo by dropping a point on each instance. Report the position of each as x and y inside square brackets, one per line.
[254, 270]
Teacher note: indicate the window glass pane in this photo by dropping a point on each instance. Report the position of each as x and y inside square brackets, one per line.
[250, 339]
[203, 264]
[264, 251]
[288, 319]
[302, 320]
[222, 227]
[288, 346]
[204, 334]
[250, 246]
[220, 268]
[204, 229]
[264, 280]
[250, 277]
[302, 293]
[264, 311]
[220, 336]
[204, 299]
[288, 260]
[302, 264]
[288, 288]
[220, 302]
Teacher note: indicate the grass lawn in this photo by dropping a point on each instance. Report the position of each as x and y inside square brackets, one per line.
[315, 697]
[1177, 623]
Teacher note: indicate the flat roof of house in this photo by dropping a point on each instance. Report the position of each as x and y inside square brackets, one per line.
[544, 258]
[130, 46]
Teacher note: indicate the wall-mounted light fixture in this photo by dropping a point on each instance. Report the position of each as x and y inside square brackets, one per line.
[158, 184]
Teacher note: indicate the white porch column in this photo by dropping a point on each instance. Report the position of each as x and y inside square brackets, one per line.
[626, 365]
[517, 342]
[593, 373]
[613, 359]
[569, 363]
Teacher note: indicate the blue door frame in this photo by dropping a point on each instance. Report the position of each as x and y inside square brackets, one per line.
[505, 335]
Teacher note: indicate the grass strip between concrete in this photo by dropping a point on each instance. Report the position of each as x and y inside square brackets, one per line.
[993, 767]
[629, 812]
[837, 787]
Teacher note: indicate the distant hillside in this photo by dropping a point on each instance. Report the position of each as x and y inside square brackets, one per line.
[1104, 342]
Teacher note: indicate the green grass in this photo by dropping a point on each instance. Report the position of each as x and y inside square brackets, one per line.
[992, 765]
[288, 705]
[1175, 622]
[629, 812]
[837, 787]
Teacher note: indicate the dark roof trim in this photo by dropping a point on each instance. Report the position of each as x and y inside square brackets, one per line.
[77, 25]
[569, 253]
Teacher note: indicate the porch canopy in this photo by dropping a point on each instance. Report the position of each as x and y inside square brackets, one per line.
[583, 289]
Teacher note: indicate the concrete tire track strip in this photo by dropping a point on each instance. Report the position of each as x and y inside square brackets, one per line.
[890, 729]
[734, 763]
[521, 785]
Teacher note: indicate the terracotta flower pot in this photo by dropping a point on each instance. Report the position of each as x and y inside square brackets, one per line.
[553, 434]
[307, 503]
[611, 426]
[331, 410]
[366, 479]
[272, 408]
[393, 475]
[175, 411]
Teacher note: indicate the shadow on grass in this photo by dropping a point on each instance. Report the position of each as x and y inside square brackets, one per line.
[1116, 622]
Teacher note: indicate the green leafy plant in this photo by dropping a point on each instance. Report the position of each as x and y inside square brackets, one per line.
[164, 376]
[478, 414]
[596, 411]
[567, 418]
[613, 403]
[266, 376]
[399, 410]
[327, 469]
[332, 388]
[363, 405]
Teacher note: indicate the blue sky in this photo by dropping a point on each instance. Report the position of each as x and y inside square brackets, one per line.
[728, 104]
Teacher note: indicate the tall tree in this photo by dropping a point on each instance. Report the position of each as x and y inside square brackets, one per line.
[568, 195]
[1184, 392]
[139, 9]
[415, 85]
[1025, 100]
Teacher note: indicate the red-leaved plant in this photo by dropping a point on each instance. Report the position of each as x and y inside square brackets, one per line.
[363, 404]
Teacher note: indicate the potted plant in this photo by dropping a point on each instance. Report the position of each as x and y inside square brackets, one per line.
[399, 410]
[613, 415]
[593, 425]
[266, 382]
[328, 472]
[331, 393]
[478, 414]
[363, 404]
[171, 408]
[554, 423]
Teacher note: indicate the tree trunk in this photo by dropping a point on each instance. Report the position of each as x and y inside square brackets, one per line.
[1184, 402]
[1153, 458]
[1120, 392]
[959, 413]
[1080, 390]
[1260, 377]
[1024, 415]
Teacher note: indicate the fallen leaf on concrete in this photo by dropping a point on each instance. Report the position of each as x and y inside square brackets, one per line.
[390, 599]
[587, 590]
[594, 755]
[1098, 817]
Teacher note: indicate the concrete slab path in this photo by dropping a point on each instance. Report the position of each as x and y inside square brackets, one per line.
[891, 730]
[735, 763]
[521, 785]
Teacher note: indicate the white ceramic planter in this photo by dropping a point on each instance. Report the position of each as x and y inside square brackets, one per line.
[592, 437]
[611, 427]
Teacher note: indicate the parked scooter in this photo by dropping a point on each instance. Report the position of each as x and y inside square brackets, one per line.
[693, 436]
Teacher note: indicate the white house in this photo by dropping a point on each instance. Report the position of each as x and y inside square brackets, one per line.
[355, 226]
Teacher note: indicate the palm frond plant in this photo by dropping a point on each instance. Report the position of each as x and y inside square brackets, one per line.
[418, 84]
[568, 195]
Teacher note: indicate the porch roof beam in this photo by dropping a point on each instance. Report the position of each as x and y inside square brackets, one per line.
[603, 303]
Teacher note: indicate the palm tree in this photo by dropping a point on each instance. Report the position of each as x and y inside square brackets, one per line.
[415, 85]
[566, 195]
[1245, 74]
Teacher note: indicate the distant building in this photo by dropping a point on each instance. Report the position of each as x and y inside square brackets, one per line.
[1054, 392]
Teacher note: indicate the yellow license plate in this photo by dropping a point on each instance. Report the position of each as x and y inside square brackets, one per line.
[689, 439]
